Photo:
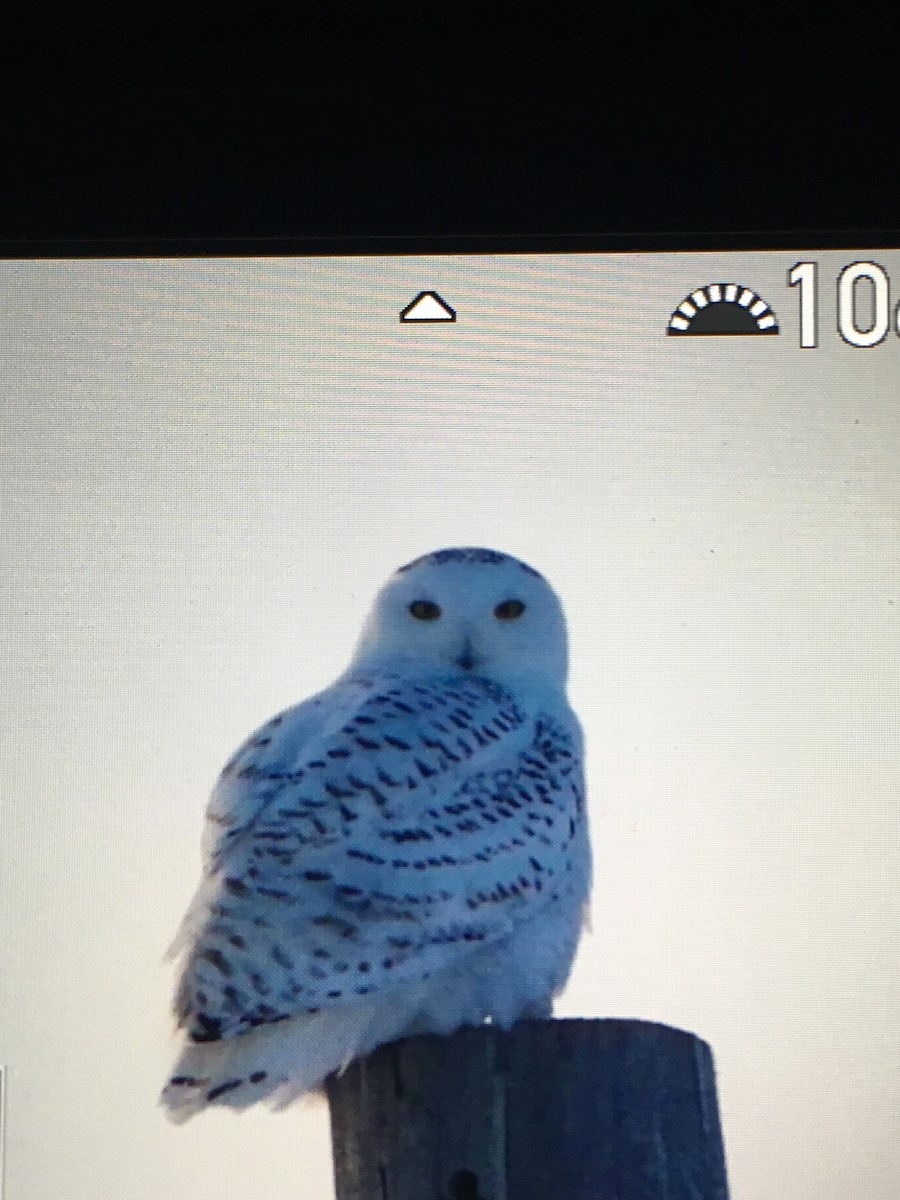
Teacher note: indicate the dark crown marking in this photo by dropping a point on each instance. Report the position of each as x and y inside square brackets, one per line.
[467, 554]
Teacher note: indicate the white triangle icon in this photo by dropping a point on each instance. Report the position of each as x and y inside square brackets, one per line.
[428, 306]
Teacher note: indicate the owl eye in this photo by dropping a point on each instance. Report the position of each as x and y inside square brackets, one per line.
[509, 610]
[425, 610]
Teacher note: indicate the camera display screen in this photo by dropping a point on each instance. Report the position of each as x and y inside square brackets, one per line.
[210, 468]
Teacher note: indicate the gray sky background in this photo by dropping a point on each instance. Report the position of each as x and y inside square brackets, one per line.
[208, 469]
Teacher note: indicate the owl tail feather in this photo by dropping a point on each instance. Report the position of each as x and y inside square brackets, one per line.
[279, 1062]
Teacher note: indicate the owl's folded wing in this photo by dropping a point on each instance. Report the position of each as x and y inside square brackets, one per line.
[372, 835]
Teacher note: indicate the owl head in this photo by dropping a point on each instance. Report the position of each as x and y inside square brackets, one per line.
[467, 610]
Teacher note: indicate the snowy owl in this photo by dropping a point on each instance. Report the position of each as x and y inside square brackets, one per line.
[404, 852]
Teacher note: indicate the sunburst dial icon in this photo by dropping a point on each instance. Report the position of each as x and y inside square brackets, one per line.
[723, 308]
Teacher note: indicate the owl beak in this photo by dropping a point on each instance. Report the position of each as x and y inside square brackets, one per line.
[467, 658]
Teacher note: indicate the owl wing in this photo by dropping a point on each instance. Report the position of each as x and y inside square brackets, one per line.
[260, 769]
[271, 761]
[375, 834]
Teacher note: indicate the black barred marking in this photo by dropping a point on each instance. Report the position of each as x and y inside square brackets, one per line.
[338, 793]
[214, 1093]
[264, 1015]
[437, 744]
[210, 1028]
[187, 1081]
[456, 810]
[258, 1076]
[398, 743]
[217, 959]
[365, 856]
[282, 959]
[408, 835]
[343, 928]
[276, 894]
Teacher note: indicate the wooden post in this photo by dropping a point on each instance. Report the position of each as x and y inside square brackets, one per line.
[551, 1110]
